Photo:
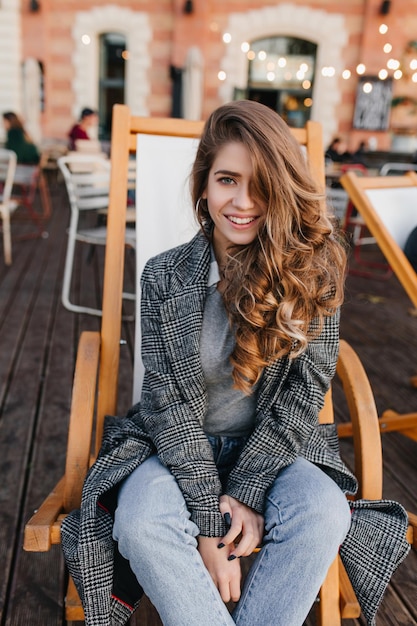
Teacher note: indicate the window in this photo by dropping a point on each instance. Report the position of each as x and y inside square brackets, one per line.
[281, 76]
[113, 57]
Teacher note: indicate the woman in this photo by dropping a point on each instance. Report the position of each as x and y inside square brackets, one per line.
[19, 141]
[224, 452]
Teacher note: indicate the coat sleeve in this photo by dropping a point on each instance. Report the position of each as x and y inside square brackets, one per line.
[172, 421]
[284, 425]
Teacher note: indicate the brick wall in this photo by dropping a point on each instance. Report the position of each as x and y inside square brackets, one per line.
[48, 35]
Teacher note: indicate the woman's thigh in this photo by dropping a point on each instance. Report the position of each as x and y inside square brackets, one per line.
[151, 506]
[155, 533]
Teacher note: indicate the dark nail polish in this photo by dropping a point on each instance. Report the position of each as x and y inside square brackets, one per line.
[227, 519]
[220, 545]
[231, 557]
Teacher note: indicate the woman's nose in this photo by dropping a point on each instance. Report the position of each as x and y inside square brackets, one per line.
[242, 199]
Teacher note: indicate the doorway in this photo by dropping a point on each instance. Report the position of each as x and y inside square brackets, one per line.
[112, 78]
[281, 75]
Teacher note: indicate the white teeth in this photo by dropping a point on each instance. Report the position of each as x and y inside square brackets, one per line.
[241, 220]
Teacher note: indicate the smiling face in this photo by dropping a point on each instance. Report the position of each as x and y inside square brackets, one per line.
[235, 212]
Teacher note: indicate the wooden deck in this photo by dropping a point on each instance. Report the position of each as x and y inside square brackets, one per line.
[38, 340]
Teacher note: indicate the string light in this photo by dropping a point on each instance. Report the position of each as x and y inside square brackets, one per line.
[393, 64]
[327, 71]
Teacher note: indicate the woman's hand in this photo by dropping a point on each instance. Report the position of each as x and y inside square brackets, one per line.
[246, 529]
[221, 555]
[225, 574]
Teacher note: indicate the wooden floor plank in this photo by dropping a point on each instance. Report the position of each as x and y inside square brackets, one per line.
[29, 383]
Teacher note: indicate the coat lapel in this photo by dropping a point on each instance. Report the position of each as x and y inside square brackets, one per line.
[181, 322]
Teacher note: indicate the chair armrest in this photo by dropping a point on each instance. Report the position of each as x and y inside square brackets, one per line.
[365, 425]
[39, 535]
[81, 418]
[42, 530]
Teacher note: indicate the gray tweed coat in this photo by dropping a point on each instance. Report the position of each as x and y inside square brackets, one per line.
[168, 420]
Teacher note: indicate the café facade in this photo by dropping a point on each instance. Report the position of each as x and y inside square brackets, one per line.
[352, 66]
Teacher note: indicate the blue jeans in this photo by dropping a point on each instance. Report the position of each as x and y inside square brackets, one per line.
[306, 519]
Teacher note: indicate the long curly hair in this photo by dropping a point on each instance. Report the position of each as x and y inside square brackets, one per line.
[279, 288]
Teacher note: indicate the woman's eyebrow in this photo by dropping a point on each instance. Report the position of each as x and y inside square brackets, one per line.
[227, 172]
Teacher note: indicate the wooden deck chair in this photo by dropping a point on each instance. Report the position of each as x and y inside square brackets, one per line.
[98, 357]
[388, 205]
[354, 225]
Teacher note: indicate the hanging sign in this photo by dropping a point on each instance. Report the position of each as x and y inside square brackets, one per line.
[373, 103]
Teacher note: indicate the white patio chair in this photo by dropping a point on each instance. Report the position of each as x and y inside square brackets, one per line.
[7, 205]
[87, 179]
[396, 169]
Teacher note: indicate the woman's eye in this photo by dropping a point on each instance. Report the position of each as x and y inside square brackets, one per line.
[226, 180]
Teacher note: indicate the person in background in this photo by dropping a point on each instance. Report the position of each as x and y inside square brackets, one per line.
[19, 141]
[359, 156]
[337, 151]
[80, 130]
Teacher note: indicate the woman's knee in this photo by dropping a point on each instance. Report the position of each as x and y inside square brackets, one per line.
[332, 513]
[305, 500]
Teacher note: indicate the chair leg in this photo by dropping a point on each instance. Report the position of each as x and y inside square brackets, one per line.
[7, 238]
[45, 197]
[73, 608]
[328, 607]
[66, 283]
[69, 262]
